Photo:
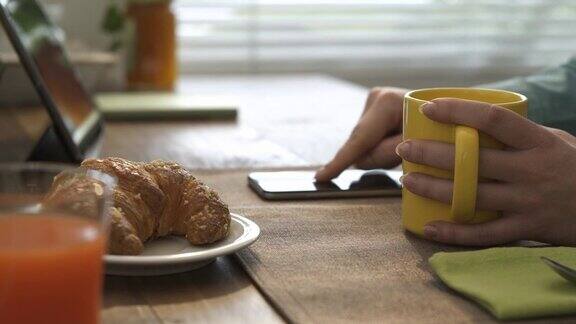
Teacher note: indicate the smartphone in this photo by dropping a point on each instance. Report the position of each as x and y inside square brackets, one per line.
[284, 185]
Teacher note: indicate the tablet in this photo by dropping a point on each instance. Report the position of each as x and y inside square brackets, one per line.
[68, 123]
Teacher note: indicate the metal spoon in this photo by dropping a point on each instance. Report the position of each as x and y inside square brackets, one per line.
[564, 271]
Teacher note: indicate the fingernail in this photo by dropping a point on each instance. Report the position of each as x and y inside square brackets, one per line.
[405, 179]
[402, 149]
[427, 108]
[430, 231]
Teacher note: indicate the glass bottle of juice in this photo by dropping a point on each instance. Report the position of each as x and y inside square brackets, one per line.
[151, 60]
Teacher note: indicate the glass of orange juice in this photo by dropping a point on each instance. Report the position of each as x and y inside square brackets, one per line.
[53, 229]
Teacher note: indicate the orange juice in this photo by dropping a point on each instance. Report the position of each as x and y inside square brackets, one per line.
[50, 269]
[151, 63]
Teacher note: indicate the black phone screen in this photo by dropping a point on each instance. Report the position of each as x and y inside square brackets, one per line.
[301, 184]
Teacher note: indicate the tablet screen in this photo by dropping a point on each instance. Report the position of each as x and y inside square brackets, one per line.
[42, 43]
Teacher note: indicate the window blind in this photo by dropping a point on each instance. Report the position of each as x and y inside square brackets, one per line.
[371, 36]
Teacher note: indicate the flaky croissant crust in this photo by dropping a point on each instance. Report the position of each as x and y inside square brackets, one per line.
[157, 199]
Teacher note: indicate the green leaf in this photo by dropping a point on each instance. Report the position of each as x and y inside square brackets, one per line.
[114, 19]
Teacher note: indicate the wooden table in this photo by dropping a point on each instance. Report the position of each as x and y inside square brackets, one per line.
[289, 120]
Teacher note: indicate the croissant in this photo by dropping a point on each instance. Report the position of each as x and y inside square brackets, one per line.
[153, 200]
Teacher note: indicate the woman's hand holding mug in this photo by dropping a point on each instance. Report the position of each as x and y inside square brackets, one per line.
[534, 183]
[531, 183]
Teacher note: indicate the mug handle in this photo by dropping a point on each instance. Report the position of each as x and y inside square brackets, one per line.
[465, 174]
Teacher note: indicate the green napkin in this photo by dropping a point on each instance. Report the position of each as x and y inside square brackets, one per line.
[510, 282]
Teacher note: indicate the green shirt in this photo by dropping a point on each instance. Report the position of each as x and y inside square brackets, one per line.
[551, 95]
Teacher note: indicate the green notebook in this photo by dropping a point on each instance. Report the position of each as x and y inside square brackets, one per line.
[161, 106]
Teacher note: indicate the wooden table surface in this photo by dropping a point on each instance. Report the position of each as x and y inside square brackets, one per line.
[289, 120]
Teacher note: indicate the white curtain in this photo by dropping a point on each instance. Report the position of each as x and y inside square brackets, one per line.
[377, 37]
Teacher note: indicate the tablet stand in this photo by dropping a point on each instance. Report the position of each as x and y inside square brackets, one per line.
[50, 149]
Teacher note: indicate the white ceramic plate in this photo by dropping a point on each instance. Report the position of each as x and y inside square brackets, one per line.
[173, 254]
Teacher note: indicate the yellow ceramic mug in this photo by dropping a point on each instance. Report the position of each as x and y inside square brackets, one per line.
[417, 211]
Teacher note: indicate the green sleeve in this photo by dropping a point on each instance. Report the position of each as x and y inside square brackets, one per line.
[551, 95]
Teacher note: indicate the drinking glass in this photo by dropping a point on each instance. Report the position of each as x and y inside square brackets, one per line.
[53, 230]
